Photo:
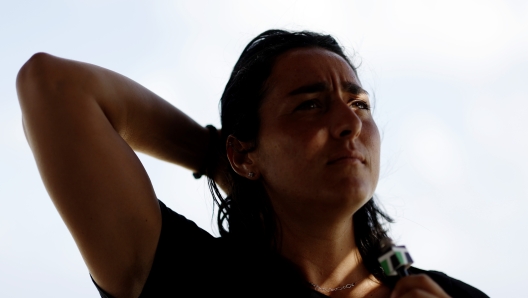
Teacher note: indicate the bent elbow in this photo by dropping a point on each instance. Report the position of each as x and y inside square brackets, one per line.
[32, 68]
[35, 69]
[44, 76]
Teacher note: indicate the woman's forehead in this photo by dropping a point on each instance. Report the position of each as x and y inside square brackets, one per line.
[309, 66]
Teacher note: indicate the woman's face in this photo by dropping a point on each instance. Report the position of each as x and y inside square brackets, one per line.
[318, 145]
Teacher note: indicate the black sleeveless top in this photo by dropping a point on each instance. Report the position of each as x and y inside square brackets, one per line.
[189, 262]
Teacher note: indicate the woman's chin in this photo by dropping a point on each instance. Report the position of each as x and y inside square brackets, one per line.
[351, 197]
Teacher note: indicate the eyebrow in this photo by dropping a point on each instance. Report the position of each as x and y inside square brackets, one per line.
[347, 86]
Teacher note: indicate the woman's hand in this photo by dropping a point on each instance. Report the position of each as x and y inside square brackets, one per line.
[419, 285]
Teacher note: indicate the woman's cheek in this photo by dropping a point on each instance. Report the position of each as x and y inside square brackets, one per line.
[373, 144]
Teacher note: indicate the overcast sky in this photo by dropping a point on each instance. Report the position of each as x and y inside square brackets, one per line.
[449, 81]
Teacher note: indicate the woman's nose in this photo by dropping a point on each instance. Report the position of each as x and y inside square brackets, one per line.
[346, 123]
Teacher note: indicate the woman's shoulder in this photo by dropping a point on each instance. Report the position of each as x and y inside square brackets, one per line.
[177, 226]
[454, 287]
[184, 250]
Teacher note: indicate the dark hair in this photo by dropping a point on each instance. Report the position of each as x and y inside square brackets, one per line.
[247, 212]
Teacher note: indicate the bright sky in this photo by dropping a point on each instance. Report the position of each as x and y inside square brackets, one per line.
[451, 101]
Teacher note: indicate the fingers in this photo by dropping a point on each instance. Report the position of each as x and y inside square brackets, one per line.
[415, 286]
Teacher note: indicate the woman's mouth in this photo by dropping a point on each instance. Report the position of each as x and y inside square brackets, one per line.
[353, 157]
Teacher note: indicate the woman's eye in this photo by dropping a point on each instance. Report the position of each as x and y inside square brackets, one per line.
[360, 104]
[308, 105]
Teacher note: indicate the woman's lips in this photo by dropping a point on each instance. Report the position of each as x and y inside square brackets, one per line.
[351, 157]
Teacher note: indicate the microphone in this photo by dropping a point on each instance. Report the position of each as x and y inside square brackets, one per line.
[394, 260]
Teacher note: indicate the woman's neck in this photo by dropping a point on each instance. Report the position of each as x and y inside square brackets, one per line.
[327, 255]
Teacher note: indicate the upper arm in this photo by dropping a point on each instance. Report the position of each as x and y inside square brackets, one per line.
[94, 178]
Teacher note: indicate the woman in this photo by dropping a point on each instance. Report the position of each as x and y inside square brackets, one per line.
[298, 155]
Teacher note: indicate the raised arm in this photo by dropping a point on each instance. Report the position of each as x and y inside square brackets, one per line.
[82, 123]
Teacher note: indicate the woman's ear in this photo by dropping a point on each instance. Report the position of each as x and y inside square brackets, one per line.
[241, 162]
